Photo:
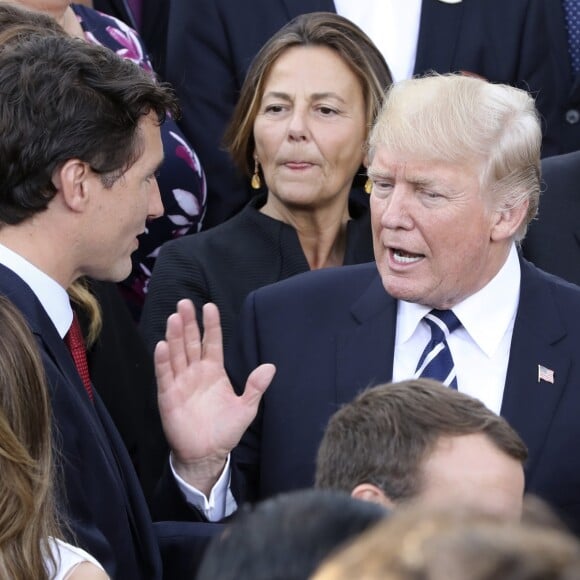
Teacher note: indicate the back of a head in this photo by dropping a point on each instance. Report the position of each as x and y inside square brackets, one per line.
[455, 545]
[462, 119]
[286, 537]
[384, 435]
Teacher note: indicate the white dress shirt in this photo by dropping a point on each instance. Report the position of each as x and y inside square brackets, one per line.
[480, 347]
[393, 25]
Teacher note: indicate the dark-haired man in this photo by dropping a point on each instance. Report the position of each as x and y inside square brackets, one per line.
[419, 441]
[80, 144]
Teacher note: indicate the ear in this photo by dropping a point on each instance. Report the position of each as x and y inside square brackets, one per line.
[372, 493]
[508, 221]
[73, 180]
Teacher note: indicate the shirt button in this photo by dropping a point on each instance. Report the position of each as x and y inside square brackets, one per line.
[572, 116]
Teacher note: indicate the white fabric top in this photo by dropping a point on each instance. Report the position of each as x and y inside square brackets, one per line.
[480, 347]
[67, 557]
[393, 25]
[50, 293]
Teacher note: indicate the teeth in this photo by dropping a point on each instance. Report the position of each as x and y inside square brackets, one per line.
[401, 259]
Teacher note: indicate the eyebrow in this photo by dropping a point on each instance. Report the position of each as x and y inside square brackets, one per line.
[313, 97]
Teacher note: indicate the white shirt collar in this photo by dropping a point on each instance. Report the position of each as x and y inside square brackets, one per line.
[51, 294]
[498, 299]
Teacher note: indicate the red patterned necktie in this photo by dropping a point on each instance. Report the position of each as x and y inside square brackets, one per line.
[76, 344]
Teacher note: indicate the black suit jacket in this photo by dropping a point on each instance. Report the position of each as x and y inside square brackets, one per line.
[98, 491]
[331, 334]
[553, 238]
[212, 42]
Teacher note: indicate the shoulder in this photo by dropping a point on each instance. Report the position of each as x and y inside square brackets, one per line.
[238, 235]
[566, 294]
[329, 285]
[565, 165]
[69, 558]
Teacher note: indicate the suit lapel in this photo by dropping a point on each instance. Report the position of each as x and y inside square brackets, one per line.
[297, 7]
[365, 349]
[438, 36]
[529, 403]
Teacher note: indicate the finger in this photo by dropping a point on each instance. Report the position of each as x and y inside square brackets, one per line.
[174, 336]
[256, 385]
[163, 370]
[212, 345]
[191, 333]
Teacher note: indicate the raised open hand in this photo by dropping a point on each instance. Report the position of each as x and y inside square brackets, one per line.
[203, 418]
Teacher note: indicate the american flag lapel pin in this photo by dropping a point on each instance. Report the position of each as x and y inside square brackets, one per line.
[545, 374]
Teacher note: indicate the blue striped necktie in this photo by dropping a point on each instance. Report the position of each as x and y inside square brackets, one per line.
[436, 361]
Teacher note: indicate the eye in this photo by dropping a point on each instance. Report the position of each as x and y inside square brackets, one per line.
[275, 108]
[326, 111]
[153, 176]
[382, 188]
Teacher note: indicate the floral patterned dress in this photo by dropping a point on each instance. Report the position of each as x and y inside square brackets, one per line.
[181, 178]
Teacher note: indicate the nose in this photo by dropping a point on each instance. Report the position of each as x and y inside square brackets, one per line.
[155, 209]
[298, 126]
[396, 209]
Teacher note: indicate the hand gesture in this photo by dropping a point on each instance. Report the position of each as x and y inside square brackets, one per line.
[203, 418]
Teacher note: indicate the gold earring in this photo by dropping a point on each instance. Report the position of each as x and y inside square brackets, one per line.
[256, 181]
[368, 186]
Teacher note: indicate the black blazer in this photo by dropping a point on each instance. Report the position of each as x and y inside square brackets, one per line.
[212, 42]
[224, 264]
[122, 372]
[331, 333]
[553, 239]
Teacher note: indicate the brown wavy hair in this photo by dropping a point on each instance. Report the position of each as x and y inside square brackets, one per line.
[27, 505]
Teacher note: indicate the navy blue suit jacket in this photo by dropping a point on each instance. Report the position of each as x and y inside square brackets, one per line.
[98, 490]
[331, 333]
[212, 42]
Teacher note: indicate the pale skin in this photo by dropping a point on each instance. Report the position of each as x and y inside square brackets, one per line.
[60, 10]
[203, 418]
[464, 470]
[309, 133]
[87, 571]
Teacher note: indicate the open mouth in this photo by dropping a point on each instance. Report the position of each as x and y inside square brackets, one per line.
[402, 257]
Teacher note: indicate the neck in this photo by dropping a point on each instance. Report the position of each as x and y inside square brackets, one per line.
[321, 231]
[46, 253]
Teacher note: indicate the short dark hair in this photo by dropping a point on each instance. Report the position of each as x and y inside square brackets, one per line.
[62, 98]
[383, 436]
[287, 536]
[312, 29]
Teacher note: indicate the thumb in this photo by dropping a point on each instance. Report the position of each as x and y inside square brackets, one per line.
[257, 383]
